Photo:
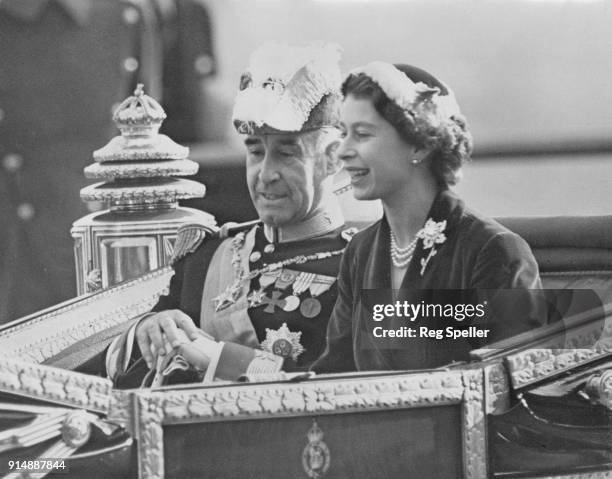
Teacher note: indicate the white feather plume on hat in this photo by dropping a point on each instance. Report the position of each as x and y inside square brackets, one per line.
[285, 83]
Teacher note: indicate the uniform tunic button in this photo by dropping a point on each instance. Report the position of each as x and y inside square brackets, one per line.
[12, 162]
[203, 64]
[130, 64]
[25, 211]
[130, 16]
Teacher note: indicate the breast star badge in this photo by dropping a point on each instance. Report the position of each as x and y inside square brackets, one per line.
[283, 342]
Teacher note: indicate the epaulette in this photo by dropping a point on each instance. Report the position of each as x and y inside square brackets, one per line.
[231, 228]
[188, 238]
[347, 234]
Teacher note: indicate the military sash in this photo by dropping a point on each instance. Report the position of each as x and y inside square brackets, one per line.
[232, 323]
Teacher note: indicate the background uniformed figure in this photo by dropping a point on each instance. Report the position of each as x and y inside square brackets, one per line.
[186, 37]
[63, 65]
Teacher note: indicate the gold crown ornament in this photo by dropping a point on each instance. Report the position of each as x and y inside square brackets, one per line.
[138, 233]
[138, 166]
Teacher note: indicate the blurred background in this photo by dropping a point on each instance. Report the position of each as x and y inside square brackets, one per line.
[533, 77]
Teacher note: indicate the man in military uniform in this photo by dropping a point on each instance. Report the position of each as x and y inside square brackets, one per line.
[262, 294]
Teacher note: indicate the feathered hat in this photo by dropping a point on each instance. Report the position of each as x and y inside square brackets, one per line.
[289, 89]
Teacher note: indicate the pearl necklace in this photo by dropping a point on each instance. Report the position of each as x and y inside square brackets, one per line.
[402, 256]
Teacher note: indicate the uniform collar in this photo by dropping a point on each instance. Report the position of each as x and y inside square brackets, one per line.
[325, 221]
[30, 10]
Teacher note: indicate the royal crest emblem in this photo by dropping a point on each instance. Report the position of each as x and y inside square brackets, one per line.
[316, 457]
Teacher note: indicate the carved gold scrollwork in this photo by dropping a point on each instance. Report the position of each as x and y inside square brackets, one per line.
[42, 337]
[344, 395]
[150, 437]
[120, 410]
[57, 385]
[497, 388]
[474, 427]
[405, 391]
[535, 364]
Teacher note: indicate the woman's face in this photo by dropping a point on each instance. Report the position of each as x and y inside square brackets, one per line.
[376, 157]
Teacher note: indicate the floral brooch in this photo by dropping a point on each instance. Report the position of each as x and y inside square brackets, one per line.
[432, 234]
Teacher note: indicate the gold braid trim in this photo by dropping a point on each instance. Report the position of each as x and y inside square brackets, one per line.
[189, 237]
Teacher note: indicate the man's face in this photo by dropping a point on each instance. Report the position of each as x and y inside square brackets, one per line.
[284, 175]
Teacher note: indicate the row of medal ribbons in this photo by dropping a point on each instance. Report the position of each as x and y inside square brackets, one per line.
[288, 287]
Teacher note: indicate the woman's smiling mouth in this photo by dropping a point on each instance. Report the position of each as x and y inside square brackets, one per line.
[357, 173]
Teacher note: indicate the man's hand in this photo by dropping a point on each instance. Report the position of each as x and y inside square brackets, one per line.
[195, 353]
[156, 331]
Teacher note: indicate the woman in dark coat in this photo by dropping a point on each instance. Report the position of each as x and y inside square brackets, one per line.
[404, 142]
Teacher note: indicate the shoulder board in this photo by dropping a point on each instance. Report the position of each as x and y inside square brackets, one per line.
[188, 238]
[347, 234]
[231, 228]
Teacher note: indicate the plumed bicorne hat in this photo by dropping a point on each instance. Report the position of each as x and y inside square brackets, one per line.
[289, 89]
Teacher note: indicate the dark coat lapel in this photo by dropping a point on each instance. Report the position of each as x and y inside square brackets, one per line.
[378, 268]
[417, 287]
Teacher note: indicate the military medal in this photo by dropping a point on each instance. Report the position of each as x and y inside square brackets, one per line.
[267, 275]
[283, 342]
[310, 307]
[227, 298]
[307, 307]
[273, 301]
[291, 303]
[302, 283]
[281, 279]
[321, 284]
[255, 298]
[266, 279]
[286, 278]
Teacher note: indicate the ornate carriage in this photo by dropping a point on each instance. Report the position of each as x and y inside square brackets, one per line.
[538, 405]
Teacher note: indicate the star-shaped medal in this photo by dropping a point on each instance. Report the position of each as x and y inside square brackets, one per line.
[283, 342]
[226, 298]
[256, 297]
